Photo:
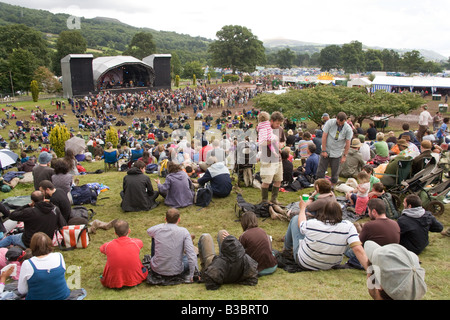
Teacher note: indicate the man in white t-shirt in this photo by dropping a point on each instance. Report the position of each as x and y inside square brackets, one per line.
[424, 119]
[320, 243]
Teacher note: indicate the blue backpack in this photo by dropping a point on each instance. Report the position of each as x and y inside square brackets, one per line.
[84, 195]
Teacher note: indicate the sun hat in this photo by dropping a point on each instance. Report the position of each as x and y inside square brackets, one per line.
[397, 270]
[44, 157]
[402, 142]
[356, 143]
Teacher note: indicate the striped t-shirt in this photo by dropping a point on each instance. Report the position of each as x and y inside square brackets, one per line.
[324, 244]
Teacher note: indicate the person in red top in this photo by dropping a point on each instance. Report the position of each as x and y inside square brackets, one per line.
[123, 266]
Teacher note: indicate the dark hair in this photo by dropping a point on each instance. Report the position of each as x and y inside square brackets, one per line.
[46, 184]
[173, 167]
[285, 154]
[331, 214]
[341, 116]
[172, 215]
[378, 205]
[312, 147]
[368, 168]
[40, 244]
[249, 220]
[277, 116]
[139, 164]
[60, 166]
[378, 186]
[323, 185]
[307, 135]
[121, 228]
[405, 126]
[413, 200]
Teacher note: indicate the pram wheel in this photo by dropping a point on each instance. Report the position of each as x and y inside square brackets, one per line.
[435, 207]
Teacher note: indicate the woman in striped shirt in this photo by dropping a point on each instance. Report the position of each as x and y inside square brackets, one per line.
[320, 243]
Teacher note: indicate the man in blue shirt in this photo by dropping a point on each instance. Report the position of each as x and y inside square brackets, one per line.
[441, 133]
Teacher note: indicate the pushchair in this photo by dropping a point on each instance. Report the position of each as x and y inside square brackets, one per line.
[245, 160]
[428, 184]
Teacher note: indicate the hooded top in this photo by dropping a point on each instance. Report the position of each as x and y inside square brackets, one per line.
[43, 217]
[232, 265]
[177, 190]
[219, 176]
[415, 223]
[138, 194]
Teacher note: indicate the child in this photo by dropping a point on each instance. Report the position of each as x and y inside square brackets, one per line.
[369, 169]
[360, 196]
[265, 132]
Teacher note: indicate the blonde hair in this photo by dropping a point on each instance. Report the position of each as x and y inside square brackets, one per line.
[263, 116]
[380, 136]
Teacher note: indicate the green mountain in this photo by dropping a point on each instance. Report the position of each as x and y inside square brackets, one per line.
[105, 36]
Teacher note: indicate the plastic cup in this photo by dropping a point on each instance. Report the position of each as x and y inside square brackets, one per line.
[305, 197]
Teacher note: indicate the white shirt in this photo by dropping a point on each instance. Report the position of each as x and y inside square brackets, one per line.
[424, 118]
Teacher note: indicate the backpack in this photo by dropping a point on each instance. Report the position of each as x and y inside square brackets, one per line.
[80, 212]
[163, 168]
[84, 195]
[203, 197]
[242, 206]
[151, 167]
[391, 210]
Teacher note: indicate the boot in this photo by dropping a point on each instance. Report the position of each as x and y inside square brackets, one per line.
[265, 194]
[275, 195]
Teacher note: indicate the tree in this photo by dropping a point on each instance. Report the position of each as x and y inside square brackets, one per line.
[285, 58]
[69, 42]
[141, 46]
[22, 64]
[237, 48]
[412, 61]
[373, 60]
[58, 137]
[352, 57]
[175, 65]
[177, 81]
[34, 90]
[355, 102]
[46, 80]
[112, 136]
[330, 57]
[390, 60]
[191, 68]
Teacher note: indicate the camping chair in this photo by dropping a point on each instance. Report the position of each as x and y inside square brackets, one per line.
[404, 171]
[110, 158]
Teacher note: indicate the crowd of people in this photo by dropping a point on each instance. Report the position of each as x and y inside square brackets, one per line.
[317, 238]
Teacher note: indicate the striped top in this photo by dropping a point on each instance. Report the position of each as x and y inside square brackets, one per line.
[324, 244]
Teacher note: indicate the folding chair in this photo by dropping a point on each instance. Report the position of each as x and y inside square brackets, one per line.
[110, 158]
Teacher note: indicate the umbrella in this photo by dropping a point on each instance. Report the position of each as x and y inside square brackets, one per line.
[76, 144]
[7, 157]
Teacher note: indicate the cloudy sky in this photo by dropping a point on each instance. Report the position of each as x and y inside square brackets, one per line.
[405, 24]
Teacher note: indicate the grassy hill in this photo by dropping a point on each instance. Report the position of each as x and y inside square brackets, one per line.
[104, 36]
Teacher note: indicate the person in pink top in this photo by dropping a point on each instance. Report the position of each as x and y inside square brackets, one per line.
[123, 265]
[265, 131]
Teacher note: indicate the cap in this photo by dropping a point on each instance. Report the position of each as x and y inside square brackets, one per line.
[397, 270]
[325, 115]
[44, 157]
[14, 254]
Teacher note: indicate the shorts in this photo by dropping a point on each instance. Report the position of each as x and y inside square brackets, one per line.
[271, 172]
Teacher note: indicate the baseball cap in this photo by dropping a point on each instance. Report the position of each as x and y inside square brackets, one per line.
[397, 270]
[44, 157]
[325, 115]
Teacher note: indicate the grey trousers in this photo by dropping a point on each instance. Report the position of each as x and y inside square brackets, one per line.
[334, 163]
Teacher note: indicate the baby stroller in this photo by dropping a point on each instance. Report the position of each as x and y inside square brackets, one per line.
[428, 185]
[245, 160]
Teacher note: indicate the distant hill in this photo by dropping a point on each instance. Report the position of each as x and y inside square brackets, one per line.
[105, 34]
[300, 46]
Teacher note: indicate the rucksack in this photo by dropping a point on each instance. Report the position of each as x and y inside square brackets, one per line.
[391, 210]
[242, 206]
[84, 195]
[203, 197]
[82, 212]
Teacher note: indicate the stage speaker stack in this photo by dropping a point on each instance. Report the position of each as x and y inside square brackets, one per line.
[77, 75]
[161, 65]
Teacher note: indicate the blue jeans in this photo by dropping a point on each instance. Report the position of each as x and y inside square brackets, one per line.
[12, 240]
[293, 237]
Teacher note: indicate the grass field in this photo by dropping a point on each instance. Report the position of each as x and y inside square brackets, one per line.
[321, 285]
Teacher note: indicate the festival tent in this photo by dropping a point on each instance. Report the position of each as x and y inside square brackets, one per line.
[362, 82]
[389, 83]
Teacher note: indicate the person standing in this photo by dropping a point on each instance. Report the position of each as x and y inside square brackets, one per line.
[336, 138]
[424, 119]
[271, 165]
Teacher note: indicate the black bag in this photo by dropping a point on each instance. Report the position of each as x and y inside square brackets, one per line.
[82, 212]
[203, 197]
[391, 210]
[242, 206]
[84, 195]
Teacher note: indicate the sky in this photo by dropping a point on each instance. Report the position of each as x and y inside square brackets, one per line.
[404, 24]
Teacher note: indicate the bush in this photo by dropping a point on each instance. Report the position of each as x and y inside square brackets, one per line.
[230, 77]
[58, 137]
[34, 87]
[112, 136]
